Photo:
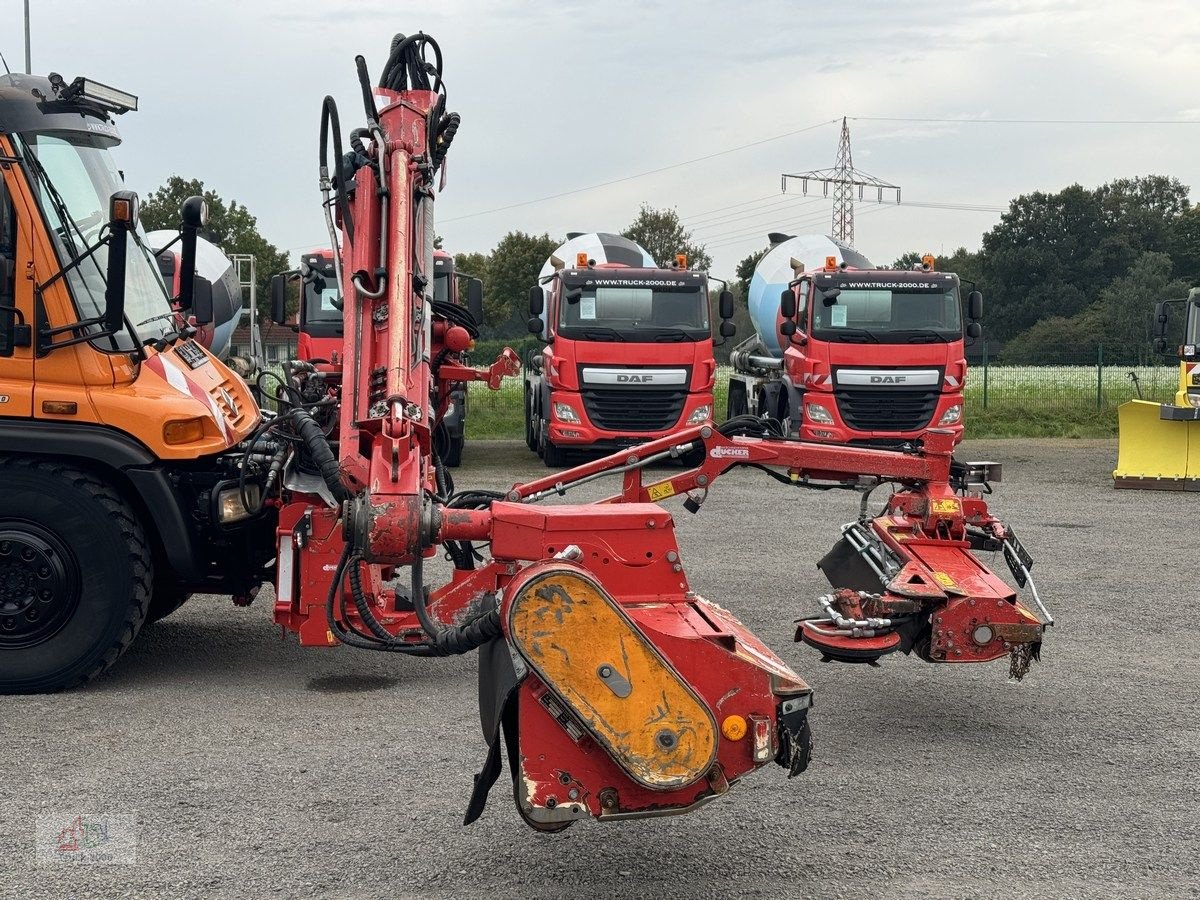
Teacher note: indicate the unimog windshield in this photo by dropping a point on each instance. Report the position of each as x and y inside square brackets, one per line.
[74, 176]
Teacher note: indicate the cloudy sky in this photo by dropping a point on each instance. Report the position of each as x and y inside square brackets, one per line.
[562, 96]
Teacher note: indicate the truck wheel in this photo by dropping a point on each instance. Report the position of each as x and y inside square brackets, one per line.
[531, 434]
[553, 456]
[736, 404]
[75, 576]
[165, 599]
[454, 452]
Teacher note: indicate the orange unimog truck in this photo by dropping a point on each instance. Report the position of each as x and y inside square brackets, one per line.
[119, 483]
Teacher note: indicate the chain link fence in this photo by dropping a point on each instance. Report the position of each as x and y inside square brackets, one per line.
[1075, 386]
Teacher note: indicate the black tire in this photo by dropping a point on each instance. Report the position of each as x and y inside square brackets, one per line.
[736, 404]
[166, 598]
[73, 553]
[553, 456]
[454, 452]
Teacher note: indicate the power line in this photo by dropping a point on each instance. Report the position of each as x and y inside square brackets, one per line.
[731, 206]
[1028, 121]
[774, 209]
[678, 165]
[757, 235]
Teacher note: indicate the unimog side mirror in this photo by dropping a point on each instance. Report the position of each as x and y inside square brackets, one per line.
[475, 299]
[974, 306]
[194, 214]
[122, 219]
[202, 301]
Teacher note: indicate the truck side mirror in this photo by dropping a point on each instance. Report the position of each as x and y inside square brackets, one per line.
[194, 213]
[279, 297]
[787, 303]
[974, 306]
[537, 300]
[122, 218]
[1160, 323]
[787, 328]
[202, 300]
[475, 299]
[535, 325]
[725, 306]
[727, 329]
[974, 330]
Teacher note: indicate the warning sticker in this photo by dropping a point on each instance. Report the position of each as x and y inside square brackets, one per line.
[944, 580]
[661, 491]
[946, 506]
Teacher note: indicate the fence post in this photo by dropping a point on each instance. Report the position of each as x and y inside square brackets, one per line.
[1099, 376]
[985, 372]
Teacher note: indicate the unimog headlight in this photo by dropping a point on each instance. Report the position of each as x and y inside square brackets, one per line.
[230, 507]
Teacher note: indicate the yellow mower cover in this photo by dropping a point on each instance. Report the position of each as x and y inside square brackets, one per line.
[1155, 451]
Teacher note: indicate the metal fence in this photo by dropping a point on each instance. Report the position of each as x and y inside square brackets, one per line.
[1078, 384]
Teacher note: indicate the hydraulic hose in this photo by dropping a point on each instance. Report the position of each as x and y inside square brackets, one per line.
[330, 121]
[318, 448]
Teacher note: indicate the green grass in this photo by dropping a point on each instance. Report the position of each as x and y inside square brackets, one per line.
[1022, 401]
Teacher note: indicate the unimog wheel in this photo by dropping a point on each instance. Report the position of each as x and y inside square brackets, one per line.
[166, 598]
[75, 576]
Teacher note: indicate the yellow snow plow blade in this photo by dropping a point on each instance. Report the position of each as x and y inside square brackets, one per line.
[1156, 453]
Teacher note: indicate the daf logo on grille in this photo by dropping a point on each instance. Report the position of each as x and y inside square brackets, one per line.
[230, 402]
[888, 379]
[634, 379]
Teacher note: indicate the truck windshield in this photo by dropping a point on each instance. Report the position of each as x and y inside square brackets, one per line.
[441, 287]
[74, 177]
[645, 312]
[895, 313]
[320, 294]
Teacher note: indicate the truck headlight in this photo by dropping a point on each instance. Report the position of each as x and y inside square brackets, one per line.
[230, 507]
[1193, 400]
[564, 412]
[700, 414]
[952, 415]
[818, 414]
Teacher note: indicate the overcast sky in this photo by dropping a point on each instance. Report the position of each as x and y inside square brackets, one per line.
[557, 96]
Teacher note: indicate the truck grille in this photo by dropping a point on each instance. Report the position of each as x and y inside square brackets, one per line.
[641, 409]
[886, 410]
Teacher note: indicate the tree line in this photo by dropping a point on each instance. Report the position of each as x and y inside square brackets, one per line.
[1061, 272]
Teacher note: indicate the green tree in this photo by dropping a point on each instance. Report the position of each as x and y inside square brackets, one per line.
[512, 268]
[1183, 243]
[745, 271]
[1052, 254]
[662, 235]
[231, 226]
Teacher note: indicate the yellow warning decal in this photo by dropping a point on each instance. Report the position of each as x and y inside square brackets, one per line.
[661, 491]
[944, 580]
[591, 654]
[947, 505]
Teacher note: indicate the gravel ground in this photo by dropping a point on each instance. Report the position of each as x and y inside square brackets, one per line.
[253, 767]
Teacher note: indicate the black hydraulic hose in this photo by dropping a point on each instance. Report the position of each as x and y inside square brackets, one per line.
[368, 97]
[452, 640]
[330, 121]
[318, 448]
[355, 638]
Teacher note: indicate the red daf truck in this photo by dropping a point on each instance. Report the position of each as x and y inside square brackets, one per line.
[847, 353]
[319, 327]
[629, 349]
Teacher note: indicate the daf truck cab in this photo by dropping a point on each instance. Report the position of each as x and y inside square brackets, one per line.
[628, 353]
[848, 353]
